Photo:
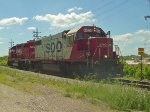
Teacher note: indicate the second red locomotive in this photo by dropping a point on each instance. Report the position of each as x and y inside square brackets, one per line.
[72, 51]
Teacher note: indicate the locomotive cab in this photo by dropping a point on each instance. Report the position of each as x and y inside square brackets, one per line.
[92, 47]
[94, 43]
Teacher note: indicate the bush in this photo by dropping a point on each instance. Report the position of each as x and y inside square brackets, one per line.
[3, 60]
[135, 71]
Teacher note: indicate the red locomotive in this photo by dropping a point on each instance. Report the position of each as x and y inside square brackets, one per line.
[81, 50]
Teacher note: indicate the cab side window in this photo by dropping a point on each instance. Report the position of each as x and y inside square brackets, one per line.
[79, 35]
[86, 35]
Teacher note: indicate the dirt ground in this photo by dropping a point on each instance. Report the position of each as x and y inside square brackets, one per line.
[12, 100]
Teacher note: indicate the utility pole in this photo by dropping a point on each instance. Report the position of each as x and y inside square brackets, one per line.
[146, 17]
[36, 34]
[11, 43]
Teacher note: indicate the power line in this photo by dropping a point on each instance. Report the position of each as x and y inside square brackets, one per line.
[103, 6]
[115, 6]
[104, 14]
[148, 16]
[107, 14]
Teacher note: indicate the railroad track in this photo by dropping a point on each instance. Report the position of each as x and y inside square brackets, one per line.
[142, 84]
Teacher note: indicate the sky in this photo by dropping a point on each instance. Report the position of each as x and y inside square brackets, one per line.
[124, 18]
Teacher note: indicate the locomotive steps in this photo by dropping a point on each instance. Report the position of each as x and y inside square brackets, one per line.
[105, 96]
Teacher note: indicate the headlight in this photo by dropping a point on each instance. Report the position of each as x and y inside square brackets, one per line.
[105, 56]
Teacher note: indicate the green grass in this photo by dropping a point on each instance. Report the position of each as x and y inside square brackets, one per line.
[26, 81]
[3, 60]
[117, 96]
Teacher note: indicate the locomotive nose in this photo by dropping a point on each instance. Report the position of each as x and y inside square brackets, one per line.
[100, 48]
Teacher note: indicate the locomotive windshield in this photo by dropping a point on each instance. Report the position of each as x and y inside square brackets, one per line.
[87, 35]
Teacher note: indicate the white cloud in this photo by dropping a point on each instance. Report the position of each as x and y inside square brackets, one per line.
[12, 21]
[139, 35]
[66, 20]
[21, 34]
[123, 37]
[142, 31]
[74, 9]
[1, 28]
[31, 28]
[8, 27]
[130, 42]
[1, 42]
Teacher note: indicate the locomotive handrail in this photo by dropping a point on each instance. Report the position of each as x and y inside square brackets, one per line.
[94, 55]
[95, 51]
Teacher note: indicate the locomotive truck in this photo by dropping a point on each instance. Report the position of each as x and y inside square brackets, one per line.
[87, 49]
